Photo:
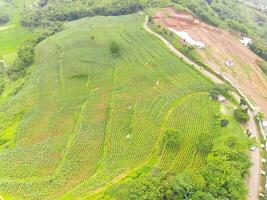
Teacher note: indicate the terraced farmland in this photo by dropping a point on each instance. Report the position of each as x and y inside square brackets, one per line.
[87, 117]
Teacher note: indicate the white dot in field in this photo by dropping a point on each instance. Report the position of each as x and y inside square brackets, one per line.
[128, 136]
[157, 82]
[130, 107]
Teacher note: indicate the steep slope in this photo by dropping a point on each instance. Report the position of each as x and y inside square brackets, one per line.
[87, 116]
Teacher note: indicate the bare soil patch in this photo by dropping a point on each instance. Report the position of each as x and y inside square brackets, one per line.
[221, 45]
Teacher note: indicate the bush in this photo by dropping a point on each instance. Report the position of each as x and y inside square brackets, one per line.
[224, 122]
[2, 86]
[238, 27]
[172, 139]
[259, 49]
[4, 18]
[263, 66]
[241, 115]
[220, 89]
[114, 48]
[205, 143]
[25, 54]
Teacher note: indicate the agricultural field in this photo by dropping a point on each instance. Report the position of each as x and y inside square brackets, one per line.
[86, 118]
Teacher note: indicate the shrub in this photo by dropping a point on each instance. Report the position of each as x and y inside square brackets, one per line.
[25, 55]
[114, 48]
[172, 139]
[241, 115]
[205, 143]
[259, 49]
[224, 122]
[263, 66]
[4, 18]
[238, 27]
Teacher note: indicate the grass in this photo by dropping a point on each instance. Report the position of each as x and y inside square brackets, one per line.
[79, 105]
[13, 34]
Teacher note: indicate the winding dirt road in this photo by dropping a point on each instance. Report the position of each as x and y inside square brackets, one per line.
[253, 180]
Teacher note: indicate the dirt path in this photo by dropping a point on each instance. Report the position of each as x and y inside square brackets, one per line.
[6, 27]
[221, 46]
[253, 181]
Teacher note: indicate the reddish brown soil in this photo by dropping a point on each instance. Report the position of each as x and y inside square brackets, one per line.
[222, 45]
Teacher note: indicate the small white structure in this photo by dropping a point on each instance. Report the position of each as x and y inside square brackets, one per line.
[185, 36]
[128, 136]
[229, 63]
[246, 41]
[221, 99]
[157, 83]
[253, 148]
[264, 124]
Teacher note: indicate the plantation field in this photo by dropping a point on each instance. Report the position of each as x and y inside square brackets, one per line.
[87, 118]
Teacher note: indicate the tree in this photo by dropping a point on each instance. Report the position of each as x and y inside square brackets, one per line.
[171, 139]
[204, 143]
[186, 184]
[243, 102]
[241, 115]
[260, 116]
[147, 188]
[214, 94]
[114, 48]
[224, 122]
[4, 18]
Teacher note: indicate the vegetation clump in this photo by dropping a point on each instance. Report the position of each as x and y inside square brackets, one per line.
[4, 18]
[25, 54]
[115, 49]
[241, 114]
[172, 139]
[260, 49]
[220, 89]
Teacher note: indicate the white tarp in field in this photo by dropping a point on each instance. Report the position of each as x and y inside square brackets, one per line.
[246, 41]
[184, 35]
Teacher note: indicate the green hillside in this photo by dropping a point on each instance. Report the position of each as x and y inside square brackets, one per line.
[88, 117]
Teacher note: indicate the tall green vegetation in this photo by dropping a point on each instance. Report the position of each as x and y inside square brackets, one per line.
[4, 18]
[260, 49]
[25, 54]
[221, 178]
[114, 48]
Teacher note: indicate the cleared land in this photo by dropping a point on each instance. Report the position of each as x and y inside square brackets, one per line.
[86, 118]
[221, 46]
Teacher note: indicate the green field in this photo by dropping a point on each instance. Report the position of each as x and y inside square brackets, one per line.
[86, 118]
[13, 34]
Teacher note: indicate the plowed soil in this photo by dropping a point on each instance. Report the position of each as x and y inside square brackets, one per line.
[221, 45]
